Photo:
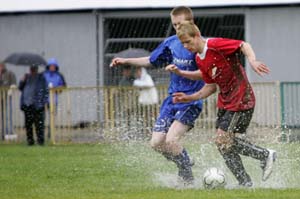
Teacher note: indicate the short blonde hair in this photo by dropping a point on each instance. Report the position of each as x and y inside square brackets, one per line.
[183, 10]
[187, 28]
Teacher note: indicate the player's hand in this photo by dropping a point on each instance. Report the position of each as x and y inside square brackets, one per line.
[172, 68]
[117, 61]
[181, 98]
[259, 67]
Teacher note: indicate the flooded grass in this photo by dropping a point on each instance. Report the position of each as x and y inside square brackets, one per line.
[132, 170]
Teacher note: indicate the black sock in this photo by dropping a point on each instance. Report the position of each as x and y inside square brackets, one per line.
[235, 164]
[246, 148]
[168, 156]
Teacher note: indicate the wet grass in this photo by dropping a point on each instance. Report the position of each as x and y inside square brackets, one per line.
[129, 171]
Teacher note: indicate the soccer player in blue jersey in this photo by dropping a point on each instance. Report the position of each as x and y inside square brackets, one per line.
[174, 119]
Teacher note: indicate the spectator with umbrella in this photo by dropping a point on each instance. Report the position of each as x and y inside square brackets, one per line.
[25, 59]
[34, 94]
[127, 72]
[33, 100]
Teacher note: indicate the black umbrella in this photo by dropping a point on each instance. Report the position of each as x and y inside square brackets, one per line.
[25, 59]
[132, 53]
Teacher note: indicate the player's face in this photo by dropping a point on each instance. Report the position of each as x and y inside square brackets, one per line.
[176, 20]
[189, 42]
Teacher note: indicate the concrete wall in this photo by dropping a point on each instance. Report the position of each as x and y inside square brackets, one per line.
[69, 37]
[72, 39]
[274, 35]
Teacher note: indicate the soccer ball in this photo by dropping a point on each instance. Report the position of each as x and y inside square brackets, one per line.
[214, 178]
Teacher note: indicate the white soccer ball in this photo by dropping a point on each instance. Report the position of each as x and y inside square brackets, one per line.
[214, 178]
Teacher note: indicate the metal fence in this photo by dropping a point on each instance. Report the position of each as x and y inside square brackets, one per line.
[148, 30]
[95, 114]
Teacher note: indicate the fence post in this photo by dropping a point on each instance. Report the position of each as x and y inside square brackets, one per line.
[52, 115]
[283, 137]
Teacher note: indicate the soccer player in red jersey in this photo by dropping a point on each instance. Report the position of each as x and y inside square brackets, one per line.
[218, 61]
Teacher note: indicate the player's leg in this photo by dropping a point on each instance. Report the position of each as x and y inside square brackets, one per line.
[239, 124]
[171, 149]
[185, 117]
[178, 153]
[244, 147]
[232, 159]
[161, 127]
[266, 156]
[225, 143]
[158, 142]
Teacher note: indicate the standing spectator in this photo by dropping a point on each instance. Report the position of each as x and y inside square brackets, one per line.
[148, 96]
[7, 79]
[33, 100]
[54, 79]
[148, 93]
[127, 78]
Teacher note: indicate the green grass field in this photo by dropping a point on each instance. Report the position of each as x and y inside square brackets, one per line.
[131, 171]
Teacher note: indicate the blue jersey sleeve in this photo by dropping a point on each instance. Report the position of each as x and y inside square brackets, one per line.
[162, 55]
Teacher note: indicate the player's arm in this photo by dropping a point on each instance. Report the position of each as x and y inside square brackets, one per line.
[193, 75]
[206, 91]
[259, 67]
[138, 62]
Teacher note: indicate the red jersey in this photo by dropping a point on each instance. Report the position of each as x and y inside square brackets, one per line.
[219, 62]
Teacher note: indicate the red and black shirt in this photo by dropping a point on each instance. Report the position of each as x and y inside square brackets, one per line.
[219, 62]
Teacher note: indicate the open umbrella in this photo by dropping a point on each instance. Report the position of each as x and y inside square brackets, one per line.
[132, 53]
[25, 59]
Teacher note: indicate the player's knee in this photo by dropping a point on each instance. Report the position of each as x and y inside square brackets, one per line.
[171, 141]
[155, 144]
[224, 142]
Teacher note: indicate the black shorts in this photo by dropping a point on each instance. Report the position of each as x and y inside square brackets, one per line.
[236, 122]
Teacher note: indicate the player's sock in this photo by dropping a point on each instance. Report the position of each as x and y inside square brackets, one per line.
[235, 164]
[184, 165]
[181, 160]
[168, 156]
[246, 148]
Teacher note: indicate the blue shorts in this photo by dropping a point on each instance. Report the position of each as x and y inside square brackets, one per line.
[186, 113]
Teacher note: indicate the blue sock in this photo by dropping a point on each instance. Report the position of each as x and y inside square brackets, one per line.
[182, 160]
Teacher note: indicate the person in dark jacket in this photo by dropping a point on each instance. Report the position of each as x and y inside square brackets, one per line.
[33, 100]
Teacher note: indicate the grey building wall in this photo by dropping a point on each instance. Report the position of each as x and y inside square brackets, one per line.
[69, 37]
[76, 39]
[274, 35]
[72, 39]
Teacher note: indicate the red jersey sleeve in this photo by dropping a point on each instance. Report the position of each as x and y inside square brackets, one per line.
[226, 46]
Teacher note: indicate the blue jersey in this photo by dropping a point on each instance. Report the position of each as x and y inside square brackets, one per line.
[171, 51]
